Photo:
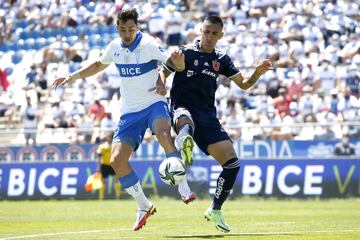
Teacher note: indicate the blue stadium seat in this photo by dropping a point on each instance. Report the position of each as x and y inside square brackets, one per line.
[89, 6]
[34, 34]
[24, 35]
[47, 33]
[101, 29]
[74, 67]
[9, 70]
[4, 47]
[14, 46]
[93, 43]
[111, 29]
[16, 58]
[68, 31]
[21, 24]
[72, 40]
[39, 43]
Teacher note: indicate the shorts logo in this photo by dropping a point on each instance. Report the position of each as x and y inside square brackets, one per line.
[216, 65]
[122, 122]
[189, 73]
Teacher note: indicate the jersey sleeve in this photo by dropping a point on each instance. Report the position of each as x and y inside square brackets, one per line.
[229, 69]
[106, 57]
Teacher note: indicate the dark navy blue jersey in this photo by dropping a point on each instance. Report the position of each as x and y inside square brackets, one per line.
[196, 85]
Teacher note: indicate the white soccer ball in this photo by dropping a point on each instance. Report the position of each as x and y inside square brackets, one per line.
[172, 171]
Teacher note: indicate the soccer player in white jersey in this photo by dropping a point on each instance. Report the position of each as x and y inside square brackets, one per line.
[143, 103]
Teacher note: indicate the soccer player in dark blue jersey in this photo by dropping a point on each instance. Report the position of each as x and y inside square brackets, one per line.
[193, 106]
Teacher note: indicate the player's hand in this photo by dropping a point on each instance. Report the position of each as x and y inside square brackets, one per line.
[61, 81]
[263, 67]
[178, 58]
[159, 89]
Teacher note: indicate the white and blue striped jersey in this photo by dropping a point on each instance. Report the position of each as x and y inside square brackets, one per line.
[137, 65]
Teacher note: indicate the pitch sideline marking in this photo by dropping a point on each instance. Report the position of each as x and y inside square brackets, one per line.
[125, 229]
[264, 233]
[70, 233]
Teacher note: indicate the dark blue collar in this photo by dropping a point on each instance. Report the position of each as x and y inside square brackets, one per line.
[135, 43]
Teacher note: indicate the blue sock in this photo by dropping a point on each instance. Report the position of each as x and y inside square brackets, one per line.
[129, 180]
[173, 154]
[225, 182]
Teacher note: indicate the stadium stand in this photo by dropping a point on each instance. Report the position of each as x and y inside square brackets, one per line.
[314, 44]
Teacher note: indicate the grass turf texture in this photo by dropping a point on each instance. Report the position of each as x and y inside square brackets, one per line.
[248, 219]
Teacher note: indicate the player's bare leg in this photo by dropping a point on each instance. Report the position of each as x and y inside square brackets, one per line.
[120, 155]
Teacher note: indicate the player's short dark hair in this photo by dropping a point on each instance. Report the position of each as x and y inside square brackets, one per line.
[127, 14]
[214, 20]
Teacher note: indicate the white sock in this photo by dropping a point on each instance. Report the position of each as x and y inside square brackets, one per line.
[184, 131]
[137, 193]
[184, 188]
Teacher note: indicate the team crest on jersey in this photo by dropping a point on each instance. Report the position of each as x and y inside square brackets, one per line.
[216, 65]
[196, 62]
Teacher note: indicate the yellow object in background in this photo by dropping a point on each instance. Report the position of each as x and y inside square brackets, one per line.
[93, 182]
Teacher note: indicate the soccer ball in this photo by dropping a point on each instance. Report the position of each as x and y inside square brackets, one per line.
[172, 171]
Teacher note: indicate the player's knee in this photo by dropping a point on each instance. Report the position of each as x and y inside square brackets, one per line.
[164, 136]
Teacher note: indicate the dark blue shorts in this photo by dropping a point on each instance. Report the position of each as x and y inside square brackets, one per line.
[208, 129]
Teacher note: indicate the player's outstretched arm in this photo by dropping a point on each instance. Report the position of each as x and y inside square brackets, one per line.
[249, 82]
[176, 61]
[83, 72]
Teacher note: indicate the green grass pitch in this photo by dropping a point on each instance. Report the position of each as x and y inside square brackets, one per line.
[248, 218]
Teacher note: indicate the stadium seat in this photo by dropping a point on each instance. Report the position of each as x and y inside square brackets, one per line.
[16, 58]
[14, 46]
[68, 31]
[24, 35]
[34, 34]
[4, 47]
[101, 29]
[39, 43]
[21, 24]
[74, 67]
[47, 33]
[9, 70]
[72, 40]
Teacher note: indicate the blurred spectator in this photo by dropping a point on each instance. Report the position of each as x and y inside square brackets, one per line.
[56, 115]
[7, 109]
[4, 83]
[112, 74]
[103, 157]
[97, 112]
[60, 50]
[78, 15]
[154, 15]
[344, 148]
[55, 14]
[353, 80]
[101, 14]
[29, 119]
[174, 22]
[282, 102]
[314, 42]
[85, 129]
